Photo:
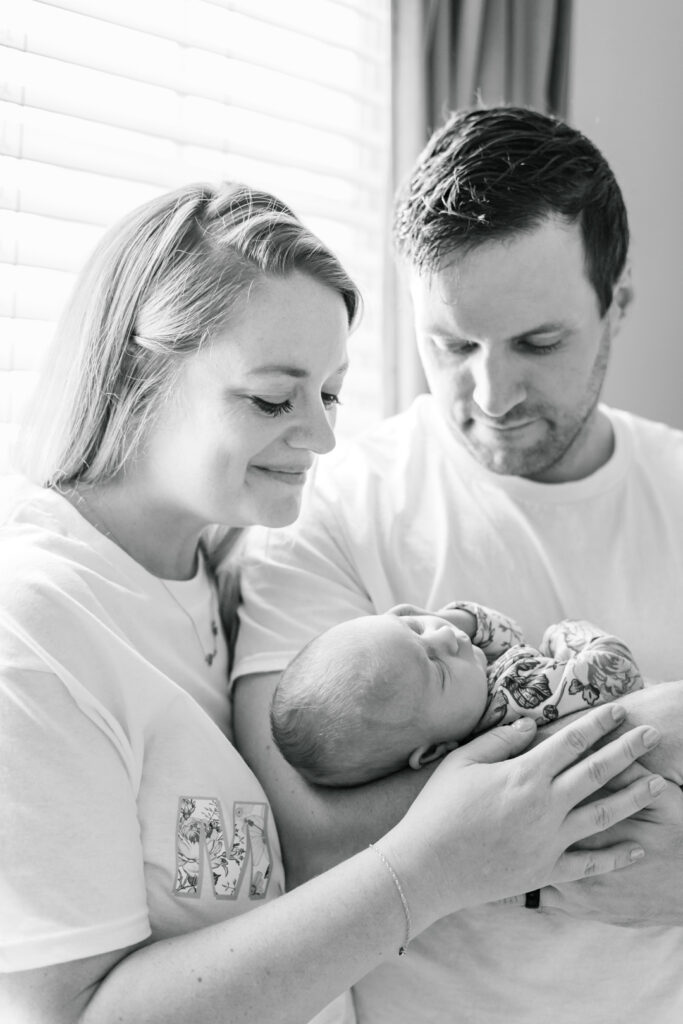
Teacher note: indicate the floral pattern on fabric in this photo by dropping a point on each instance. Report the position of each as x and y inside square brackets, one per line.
[495, 633]
[201, 839]
[576, 667]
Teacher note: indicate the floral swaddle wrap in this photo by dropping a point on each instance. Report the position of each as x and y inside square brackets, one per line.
[576, 667]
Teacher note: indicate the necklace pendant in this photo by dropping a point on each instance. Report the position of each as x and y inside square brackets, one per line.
[209, 659]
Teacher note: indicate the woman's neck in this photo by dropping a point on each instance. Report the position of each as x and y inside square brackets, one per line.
[155, 536]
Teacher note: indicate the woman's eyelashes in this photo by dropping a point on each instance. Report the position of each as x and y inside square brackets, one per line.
[271, 408]
[328, 399]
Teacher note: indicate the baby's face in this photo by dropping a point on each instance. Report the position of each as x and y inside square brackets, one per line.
[437, 671]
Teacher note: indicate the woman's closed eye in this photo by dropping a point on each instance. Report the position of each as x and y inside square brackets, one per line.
[328, 399]
[271, 408]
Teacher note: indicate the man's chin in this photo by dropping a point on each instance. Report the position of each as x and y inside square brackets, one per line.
[508, 461]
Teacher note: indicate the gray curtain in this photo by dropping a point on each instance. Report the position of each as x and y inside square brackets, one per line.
[457, 53]
[496, 51]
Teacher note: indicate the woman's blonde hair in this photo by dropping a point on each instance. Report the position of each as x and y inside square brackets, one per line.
[159, 284]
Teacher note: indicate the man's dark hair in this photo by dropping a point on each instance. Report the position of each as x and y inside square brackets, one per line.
[487, 174]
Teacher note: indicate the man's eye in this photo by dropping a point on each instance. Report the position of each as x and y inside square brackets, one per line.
[455, 348]
[329, 400]
[271, 408]
[540, 348]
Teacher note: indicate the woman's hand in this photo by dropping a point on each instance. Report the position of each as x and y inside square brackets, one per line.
[485, 828]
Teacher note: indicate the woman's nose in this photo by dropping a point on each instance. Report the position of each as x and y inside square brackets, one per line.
[314, 432]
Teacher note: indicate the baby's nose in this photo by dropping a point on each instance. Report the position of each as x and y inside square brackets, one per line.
[444, 634]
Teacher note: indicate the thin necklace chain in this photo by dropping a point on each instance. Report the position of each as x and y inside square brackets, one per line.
[98, 522]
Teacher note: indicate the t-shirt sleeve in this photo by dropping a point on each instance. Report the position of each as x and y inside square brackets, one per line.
[296, 583]
[71, 865]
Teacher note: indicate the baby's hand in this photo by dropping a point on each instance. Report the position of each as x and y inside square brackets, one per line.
[458, 616]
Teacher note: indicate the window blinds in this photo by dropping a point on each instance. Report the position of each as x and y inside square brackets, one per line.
[106, 103]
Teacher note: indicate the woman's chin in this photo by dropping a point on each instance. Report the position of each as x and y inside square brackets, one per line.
[281, 515]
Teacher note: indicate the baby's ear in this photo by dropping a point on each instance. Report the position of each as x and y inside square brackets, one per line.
[432, 752]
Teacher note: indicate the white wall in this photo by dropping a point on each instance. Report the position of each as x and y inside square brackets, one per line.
[626, 94]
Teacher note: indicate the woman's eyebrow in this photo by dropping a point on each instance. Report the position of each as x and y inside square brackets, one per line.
[281, 369]
[285, 370]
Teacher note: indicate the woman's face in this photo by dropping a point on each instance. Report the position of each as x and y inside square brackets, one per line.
[249, 411]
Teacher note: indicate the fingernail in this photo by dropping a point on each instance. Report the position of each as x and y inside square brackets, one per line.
[618, 713]
[523, 723]
[650, 737]
[657, 785]
[637, 853]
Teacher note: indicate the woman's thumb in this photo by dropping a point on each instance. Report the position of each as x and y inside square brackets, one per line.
[501, 743]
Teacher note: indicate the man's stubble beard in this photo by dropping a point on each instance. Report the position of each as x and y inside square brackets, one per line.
[560, 437]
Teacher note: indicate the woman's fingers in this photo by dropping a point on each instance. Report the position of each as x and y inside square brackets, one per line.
[499, 744]
[575, 864]
[598, 768]
[571, 743]
[610, 808]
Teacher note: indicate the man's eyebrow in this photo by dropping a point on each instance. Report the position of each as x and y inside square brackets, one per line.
[284, 370]
[552, 327]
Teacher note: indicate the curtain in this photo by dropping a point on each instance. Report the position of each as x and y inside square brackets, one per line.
[457, 53]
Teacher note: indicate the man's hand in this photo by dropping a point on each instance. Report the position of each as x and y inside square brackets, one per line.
[651, 891]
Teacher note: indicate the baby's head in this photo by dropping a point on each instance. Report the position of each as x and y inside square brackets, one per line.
[376, 694]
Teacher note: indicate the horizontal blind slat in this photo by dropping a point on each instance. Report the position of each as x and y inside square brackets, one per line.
[207, 28]
[73, 39]
[153, 110]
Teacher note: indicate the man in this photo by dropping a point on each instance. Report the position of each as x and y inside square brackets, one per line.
[512, 486]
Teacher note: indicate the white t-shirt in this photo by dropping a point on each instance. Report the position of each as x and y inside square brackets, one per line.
[406, 514]
[127, 811]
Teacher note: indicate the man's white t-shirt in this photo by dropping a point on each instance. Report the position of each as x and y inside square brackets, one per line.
[405, 514]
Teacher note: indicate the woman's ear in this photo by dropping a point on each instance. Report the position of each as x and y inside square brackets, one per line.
[430, 752]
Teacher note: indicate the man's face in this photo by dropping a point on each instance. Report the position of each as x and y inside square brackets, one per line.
[515, 352]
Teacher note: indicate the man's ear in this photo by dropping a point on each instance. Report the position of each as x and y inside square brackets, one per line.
[622, 297]
[430, 752]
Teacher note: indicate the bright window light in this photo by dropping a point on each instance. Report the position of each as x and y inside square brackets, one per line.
[107, 103]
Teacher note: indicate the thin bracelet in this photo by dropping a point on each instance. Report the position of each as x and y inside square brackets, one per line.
[404, 902]
[532, 900]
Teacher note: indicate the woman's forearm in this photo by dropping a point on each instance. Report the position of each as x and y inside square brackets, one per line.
[280, 963]
[318, 827]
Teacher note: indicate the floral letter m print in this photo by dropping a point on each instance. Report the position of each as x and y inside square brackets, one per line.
[201, 838]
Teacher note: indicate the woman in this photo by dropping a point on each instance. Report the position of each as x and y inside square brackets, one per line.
[194, 377]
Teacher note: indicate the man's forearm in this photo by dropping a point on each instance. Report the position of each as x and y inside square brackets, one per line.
[318, 826]
[660, 705]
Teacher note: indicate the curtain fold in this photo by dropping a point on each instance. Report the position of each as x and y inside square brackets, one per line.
[458, 53]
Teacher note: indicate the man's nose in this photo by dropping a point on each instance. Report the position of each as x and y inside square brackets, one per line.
[497, 384]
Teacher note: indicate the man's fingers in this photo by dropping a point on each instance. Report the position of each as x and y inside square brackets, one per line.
[610, 808]
[577, 864]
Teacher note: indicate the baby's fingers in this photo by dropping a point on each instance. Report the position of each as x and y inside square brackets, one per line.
[577, 864]
[584, 778]
[610, 808]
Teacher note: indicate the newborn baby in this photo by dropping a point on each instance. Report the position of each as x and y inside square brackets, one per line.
[378, 693]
